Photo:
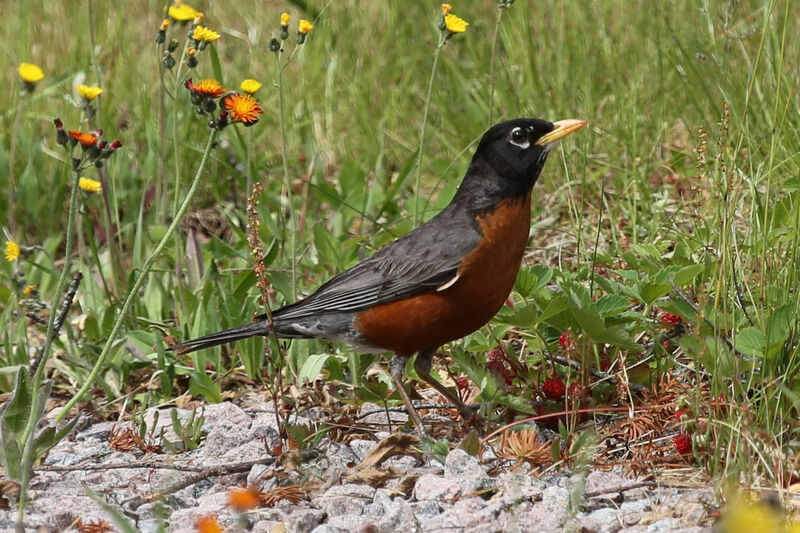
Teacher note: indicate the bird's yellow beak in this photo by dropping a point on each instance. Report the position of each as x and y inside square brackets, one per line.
[562, 129]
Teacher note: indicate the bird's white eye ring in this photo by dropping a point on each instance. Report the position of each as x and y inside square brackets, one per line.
[519, 138]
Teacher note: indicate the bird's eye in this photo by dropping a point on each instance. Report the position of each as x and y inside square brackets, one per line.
[519, 138]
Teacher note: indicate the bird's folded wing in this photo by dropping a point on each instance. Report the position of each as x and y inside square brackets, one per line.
[354, 291]
[425, 259]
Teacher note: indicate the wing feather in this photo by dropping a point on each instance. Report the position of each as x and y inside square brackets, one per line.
[424, 259]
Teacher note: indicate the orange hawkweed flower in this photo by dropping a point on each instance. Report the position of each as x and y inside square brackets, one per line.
[208, 524]
[207, 87]
[243, 499]
[243, 108]
[86, 139]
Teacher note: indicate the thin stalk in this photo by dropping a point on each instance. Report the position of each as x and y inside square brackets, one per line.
[177, 183]
[133, 294]
[162, 139]
[48, 339]
[288, 214]
[442, 40]
[12, 156]
[499, 17]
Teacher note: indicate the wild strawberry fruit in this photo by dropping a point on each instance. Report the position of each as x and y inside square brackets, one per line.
[576, 390]
[719, 405]
[567, 341]
[680, 412]
[668, 319]
[499, 369]
[554, 389]
[683, 443]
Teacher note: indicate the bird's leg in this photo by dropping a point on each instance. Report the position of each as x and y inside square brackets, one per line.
[423, 367]
[397, 366]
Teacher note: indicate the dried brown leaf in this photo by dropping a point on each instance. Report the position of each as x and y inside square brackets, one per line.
[293, 493]
[525, 446]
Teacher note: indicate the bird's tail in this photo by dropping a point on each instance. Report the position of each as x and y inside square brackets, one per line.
[254, 329]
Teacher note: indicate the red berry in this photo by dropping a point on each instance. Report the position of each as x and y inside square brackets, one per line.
[719, 405]
[567, 341]
[462, 383]
[498, 368]
[680, 412]
[576, 390]
[495, 354]
[668, 319]
[554, 389]
[683, 443]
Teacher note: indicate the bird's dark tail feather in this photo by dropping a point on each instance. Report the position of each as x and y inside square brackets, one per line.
[254, 329]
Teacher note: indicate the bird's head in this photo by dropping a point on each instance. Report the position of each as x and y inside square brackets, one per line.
[511, 154]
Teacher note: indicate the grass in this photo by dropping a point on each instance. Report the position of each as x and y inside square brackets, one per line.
[624, 210]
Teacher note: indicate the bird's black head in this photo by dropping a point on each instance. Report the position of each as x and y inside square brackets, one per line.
[510, 157]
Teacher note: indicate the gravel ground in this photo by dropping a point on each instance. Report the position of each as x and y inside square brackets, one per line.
[344, 493]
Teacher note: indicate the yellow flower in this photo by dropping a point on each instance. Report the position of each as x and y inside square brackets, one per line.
[28, 290]
[164, 24]
[90, 185]
[242, 108]
[181, 12]
[204, 34]
[446, 9]
[305, 26]
[12, 251]
[250, 86]
[88, 92]
[285, 19]
[30, 73]
[198, 18]
[455, 24]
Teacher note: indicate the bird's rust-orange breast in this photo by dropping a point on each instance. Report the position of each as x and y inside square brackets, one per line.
[485, 279]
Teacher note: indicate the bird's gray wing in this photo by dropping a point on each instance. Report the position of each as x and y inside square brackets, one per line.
[425, 258]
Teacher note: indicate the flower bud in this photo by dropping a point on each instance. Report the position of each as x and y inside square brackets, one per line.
[173, 45]
[209, 105]
[168, 62]
[223, 120]
[274, 45]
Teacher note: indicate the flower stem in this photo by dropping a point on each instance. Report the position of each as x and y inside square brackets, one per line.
[133, 294]
[48, 342]
[12, 153]
[422, 129]
[491, 64]
[288, 214]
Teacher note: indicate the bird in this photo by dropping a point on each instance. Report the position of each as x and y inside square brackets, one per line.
[439, 282]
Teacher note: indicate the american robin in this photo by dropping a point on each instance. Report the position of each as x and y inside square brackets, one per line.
[441, 281]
